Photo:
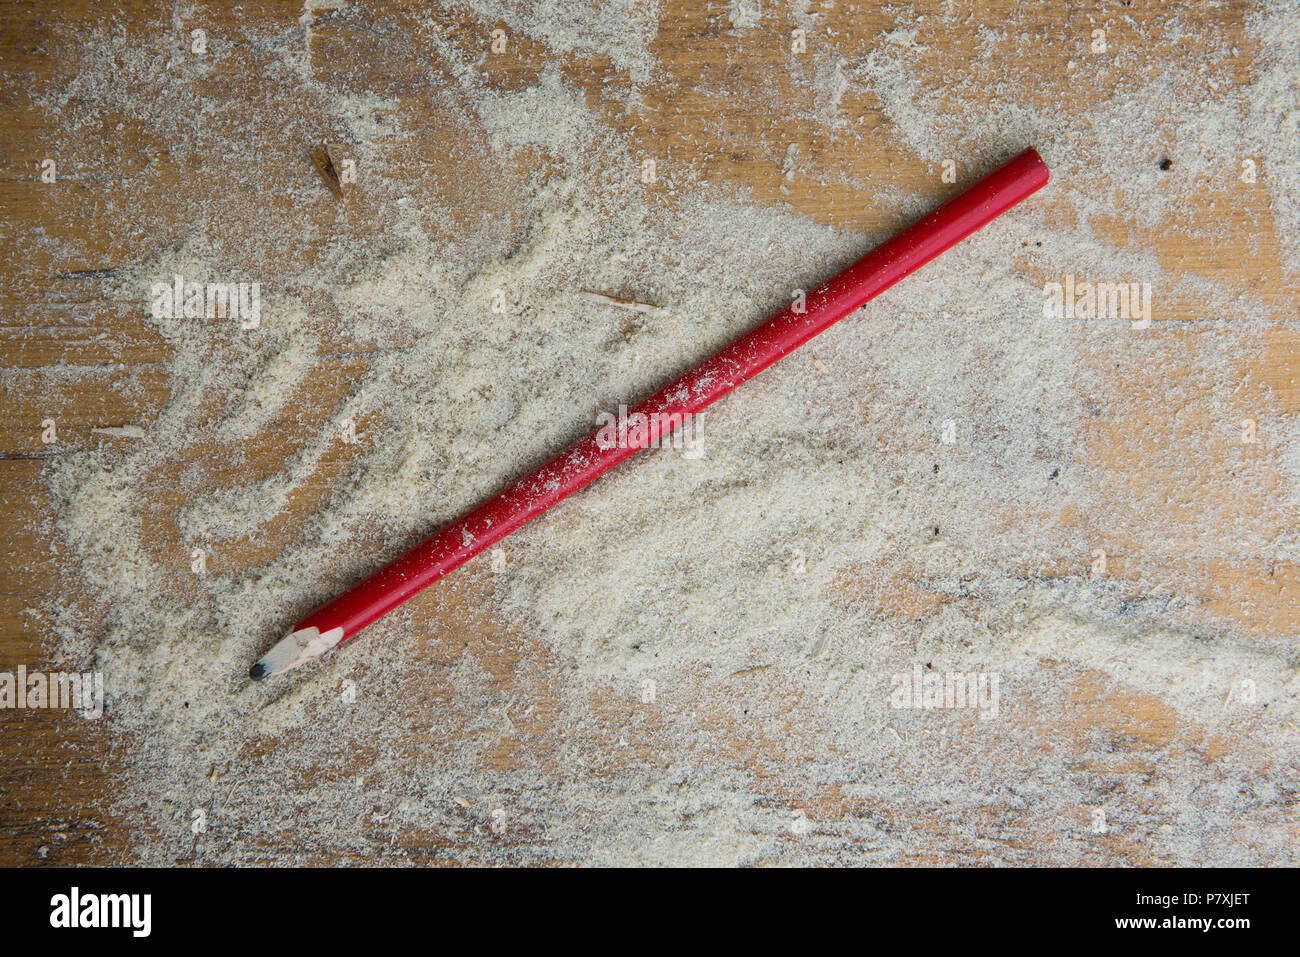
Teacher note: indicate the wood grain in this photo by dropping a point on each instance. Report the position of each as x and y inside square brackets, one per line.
[73, 353]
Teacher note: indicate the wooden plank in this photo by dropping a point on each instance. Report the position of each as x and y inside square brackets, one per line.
[732, 107]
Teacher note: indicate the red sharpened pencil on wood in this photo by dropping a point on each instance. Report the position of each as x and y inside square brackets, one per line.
[526, 498]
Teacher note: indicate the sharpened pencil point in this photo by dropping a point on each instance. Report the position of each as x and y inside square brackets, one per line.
[295, 650]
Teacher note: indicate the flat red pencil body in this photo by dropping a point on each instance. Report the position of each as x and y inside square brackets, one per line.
[524, 499]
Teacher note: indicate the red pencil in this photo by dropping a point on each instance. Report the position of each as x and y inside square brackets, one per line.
[341, 618]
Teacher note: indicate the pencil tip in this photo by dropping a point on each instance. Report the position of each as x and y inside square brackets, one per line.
[295, 649]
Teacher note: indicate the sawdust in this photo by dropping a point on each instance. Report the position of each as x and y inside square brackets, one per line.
[826, 489]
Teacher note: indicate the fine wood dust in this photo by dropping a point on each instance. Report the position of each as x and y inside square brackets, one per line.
[886, 499]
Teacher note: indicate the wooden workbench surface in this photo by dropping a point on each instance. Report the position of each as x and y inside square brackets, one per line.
[1217, 513]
